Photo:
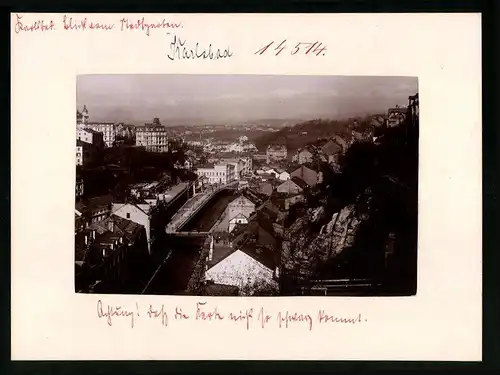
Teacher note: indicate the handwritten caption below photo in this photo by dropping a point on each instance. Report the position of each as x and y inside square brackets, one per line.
[249, 318]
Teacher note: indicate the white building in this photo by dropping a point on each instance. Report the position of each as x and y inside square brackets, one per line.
[153, 137]
[240, 268]
[283, 175]
[239, 211]
[90, 136]
[108, 129]
[138, 213]
[222, 173]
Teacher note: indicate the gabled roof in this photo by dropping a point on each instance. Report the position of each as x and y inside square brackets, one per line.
[238, 216]
[121, 226]
[242, 197]
[287, 184]
[264, 256]
[331, 148]
[299, 182]
[100, 201]
[91, 131]
[144, 208]
[303, 150]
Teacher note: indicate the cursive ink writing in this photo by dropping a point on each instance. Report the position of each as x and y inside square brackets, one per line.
[306, 48]
[70, 24]
[154, 314]
[286, 318]
[110, 312]
[202, 315]
[35, 26]
[243, 316]
[263, 318]
[325, 318]
[179, 50]
[180, 315]
[146, 27]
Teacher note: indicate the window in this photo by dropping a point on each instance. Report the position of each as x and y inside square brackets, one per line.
[128, 215]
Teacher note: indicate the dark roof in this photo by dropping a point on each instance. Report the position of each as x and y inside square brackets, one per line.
[330, 148]
[312, 166]
[299, 182]
[270, 206]
[91, 131]
[265, 256]
[121, 226]
[212, 289]
[220, 253]
[287, 184]
[80, 207]
[100, 201]
[81, 143]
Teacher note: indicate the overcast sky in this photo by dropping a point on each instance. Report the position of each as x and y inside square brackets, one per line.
[182, 99]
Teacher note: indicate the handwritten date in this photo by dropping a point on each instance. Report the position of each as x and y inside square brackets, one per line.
[305, 48]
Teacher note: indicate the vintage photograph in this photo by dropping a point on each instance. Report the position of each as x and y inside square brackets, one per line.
[246, 185]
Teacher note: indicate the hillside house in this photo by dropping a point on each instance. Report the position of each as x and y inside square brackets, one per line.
[310, 176]
[137, 213]
[293, 186]
[331, 151]
[303, 156]
[276, 153]
[250, 261]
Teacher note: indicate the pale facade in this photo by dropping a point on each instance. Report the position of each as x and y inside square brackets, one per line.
[241, 205]
[218, 174]
[90, 136]
[153, 137]
[136, 213]
[238, 219]
[284, 176]
[276, 153]
[108, 129]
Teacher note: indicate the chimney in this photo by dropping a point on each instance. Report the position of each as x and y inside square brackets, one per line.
[111, 225]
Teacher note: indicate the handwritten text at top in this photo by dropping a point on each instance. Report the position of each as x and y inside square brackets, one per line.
[74, 23]
[304, 48]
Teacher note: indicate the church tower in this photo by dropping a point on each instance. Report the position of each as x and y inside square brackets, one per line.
[85, 114]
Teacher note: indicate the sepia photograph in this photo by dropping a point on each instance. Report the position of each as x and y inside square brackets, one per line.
[246, 185]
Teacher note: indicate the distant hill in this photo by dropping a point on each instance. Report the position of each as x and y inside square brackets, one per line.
[301, 134]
